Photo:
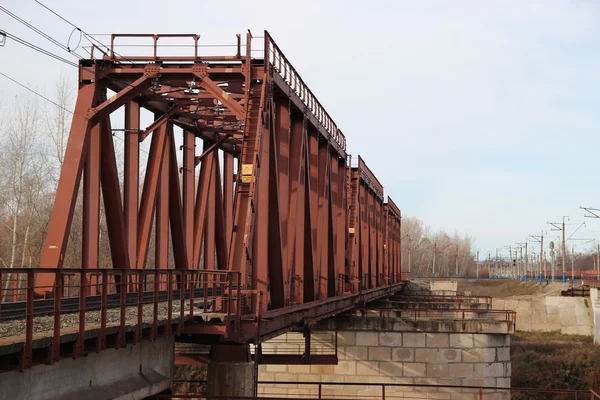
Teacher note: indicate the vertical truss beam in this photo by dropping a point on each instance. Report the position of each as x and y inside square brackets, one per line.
[161, 231]
[287, 214]
[334, 270]
[275, 232]
[209, 222]
[91, 204]
[246, 204]
[200, 210]
[131, 177]
[220, 222]
[111, 193]
[295, 224]
[364, 238]
[341, 218]
[189, 152]
[312, 167]
[353, 251]
[259, 259]
[179, 239]
[323, 244]
[228, 177]
[308, 199]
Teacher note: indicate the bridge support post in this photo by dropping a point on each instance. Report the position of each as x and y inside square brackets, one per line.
[231, 372]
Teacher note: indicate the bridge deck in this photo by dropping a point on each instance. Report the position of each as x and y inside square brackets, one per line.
[133, 305]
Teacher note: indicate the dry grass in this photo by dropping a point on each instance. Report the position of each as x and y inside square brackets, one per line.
[510, 287]
[499, 288]
[555, 361]
[191, 372]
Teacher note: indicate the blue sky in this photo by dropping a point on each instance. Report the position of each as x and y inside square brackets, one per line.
[479, 117]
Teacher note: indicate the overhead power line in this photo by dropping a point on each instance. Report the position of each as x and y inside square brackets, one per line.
[33, 91]
[38, 49]
[86, 35]
[42, 33]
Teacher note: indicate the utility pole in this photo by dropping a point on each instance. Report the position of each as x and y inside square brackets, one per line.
[507, 268]
[573, 251]
[456, 261]
[496, 263]
[477, 265]
[521, 263]
[541, 253]
[409, 253]
[553, 263]
[519, 275]
[545, 271]
[541, 240]
[526, 260]
[434, 251]
[559, 228]
[564, 253]
[511, 260]
[573, 264]
[594, 213]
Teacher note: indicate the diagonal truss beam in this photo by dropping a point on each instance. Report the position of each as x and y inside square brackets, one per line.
[201, 71]
[53, 253]
[127, 94]
[149, 192]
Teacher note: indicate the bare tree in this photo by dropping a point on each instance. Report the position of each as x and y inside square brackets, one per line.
[21, 178]
[419, 244]
[58, 120]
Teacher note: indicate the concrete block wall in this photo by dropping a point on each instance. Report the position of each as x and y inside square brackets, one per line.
[472, 359]
[447, 286]
[569, 315]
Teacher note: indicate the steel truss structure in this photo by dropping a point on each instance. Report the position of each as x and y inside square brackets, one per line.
[247, 175]
[271, 197]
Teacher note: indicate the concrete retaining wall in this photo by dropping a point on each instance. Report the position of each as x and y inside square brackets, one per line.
[449, 286]
[595, 300]
[569, 315]
[405, 357]
[443, 287]
[131, 373]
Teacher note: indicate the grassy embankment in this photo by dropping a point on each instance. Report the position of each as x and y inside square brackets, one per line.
[552, 360]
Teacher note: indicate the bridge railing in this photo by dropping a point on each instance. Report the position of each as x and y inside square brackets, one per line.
[275, 57]
[127, 305]
[462, 315]
[350, 390]
[463, 299]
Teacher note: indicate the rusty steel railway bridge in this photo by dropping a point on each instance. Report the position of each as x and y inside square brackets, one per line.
[272, 224]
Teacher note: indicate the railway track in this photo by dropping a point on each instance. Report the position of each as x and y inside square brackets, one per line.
[70, 305]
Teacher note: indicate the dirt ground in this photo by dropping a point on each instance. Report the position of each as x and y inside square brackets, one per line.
[499, 287]
[510, 288]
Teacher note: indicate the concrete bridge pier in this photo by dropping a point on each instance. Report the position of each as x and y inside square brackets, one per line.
[231, 371]
[130, 373]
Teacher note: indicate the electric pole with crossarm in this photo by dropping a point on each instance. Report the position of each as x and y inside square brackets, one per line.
[558, 227]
